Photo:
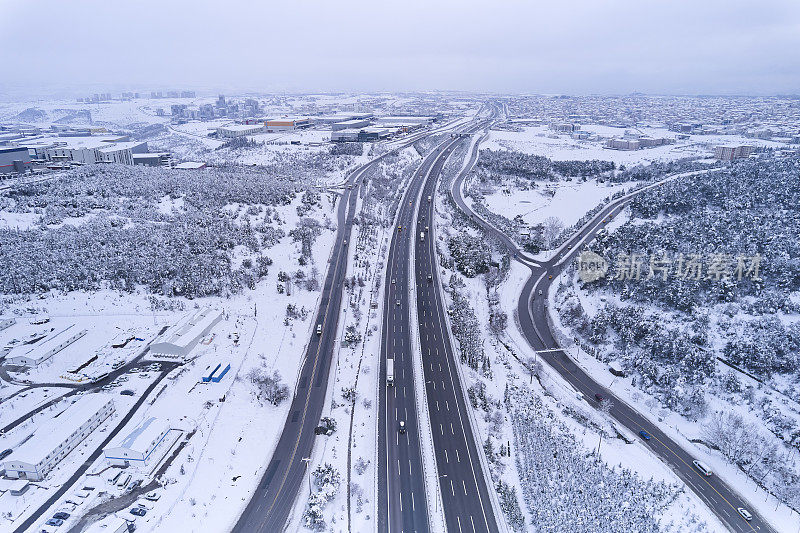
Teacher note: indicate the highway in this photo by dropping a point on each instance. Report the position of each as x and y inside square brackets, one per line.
[532, 312]
[401, 486]
[272, 501]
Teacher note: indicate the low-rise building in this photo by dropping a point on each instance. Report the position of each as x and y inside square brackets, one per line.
[344, 135]
[122, 153]
[153, 159]
[31, 355]
[56, 438]
[16, 159]
[729, 153]
[141, 447]
[287, 124]
[350, 124]
[238, 130]
[180, 338]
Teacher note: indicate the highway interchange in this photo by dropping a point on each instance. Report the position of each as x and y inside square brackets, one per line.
[403, 503]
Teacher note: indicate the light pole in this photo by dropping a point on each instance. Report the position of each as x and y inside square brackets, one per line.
[307, 461]
[441, 493]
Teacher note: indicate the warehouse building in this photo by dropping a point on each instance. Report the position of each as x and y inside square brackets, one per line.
[374, 133]
[142, 447]
[344, 135]
[53, 441]
[153, 159]
[287, 124]
[16, 159]
[179, 339]
[31, 355]
[238, 130]
[350, 124]
[122, 153]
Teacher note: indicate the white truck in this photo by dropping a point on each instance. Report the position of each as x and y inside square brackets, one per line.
[422, 236]
[390, 372]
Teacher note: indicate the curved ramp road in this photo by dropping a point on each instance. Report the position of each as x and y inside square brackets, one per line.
[532, 311]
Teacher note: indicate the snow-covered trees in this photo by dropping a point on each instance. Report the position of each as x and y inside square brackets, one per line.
[269, 387]
[326, 482]
[466, 328]
[536, 167]
[471, 255]
[567, 488]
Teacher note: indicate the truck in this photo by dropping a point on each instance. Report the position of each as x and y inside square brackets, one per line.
[422, 236]
[390, 372]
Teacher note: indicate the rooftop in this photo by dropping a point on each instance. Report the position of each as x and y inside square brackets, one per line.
[141, 436]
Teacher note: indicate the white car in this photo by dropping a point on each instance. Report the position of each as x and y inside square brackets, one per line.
[702, 467]
[152, 496]
[745, 514]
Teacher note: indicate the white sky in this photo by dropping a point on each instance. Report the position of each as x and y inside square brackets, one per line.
[568, 46]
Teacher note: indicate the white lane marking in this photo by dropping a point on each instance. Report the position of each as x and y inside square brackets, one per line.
[458, 457]
[446, 458]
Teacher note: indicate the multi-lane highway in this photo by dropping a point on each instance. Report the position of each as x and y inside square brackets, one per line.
[277, 490]
[532, 312]
[401, 486]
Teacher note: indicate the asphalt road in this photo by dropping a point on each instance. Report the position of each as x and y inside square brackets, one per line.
[401, 487]
[272, 502]
[532, 311]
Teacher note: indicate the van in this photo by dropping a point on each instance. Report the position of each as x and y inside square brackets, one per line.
[702, 467]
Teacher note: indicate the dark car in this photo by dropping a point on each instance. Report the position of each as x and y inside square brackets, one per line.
[54, 522]
[127, 392]
[61, 516]
[138, 511]
[599, 397]
[645, 435]
[5, 453]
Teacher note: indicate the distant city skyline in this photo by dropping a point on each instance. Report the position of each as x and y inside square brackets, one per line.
[572, 47]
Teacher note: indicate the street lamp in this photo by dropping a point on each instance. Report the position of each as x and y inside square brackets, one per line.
[307, 461]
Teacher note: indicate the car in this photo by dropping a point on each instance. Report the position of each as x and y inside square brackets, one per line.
[135, 484]
[702, 467]
[402, 426]
[550, 276]
[430, 278]
[393, 282]
[745, 513]
[319, 329]
[61, 515]
[152, 496]
[645, 435]
[54, 522]
[399, 228]
[138, 511]
[540, 292]
[5, 453]
[127, 392]
[599, 397]
[398, 303]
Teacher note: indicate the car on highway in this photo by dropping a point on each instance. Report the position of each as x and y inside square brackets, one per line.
[399, 228]
[430, 278]
[744, 513]
[393, 282]
[702, 467]
[319, 329]
[398, 303]
[540, 292]
[402, 427]
[550, 276]
[599, 397]
[645, 435]
[61, 515]
[138, 511]
[54, 522]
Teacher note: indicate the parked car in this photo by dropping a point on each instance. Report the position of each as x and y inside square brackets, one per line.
[138, 511]
[5, 453]
[127, 392]
[61, 515]
[645, 435]
[152, 496]
[745, 514]
[54, 522]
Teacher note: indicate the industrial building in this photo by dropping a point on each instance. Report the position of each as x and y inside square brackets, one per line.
[31, 355]
[729, 153]
[141, 447]
[408, 122]
[350, 124]
[53, 440]
[122, 153]
[238, 130]
[16, 159]
[344, 136]
[287, 124]
[190, 165]
[180, 338]
[566, 127]
[153, 159]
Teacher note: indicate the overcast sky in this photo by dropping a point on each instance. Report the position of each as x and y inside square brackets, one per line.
[557, 46]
